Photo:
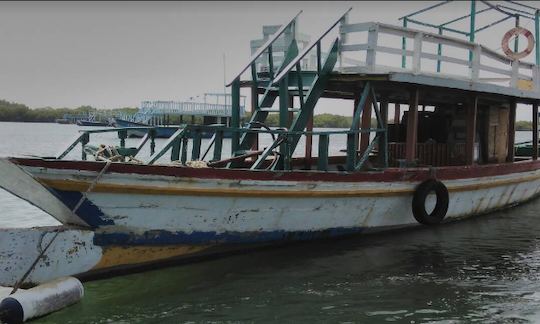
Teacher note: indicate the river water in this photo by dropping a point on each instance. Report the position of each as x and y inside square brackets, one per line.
[485, 270]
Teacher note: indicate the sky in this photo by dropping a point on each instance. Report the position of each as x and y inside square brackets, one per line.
[114, 54]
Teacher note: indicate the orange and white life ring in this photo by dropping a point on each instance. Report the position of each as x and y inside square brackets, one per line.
[516, 31]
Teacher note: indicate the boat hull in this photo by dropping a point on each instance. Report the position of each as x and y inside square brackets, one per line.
[140, 214]
[91, 123]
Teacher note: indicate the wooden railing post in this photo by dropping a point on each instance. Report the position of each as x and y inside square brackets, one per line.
[475, 67]
[515, 74]
[471, 129]
[535, 131]
[412, 127]
[416, 62]
[383, 138]
[511, 131]
[235, 115]
[373, 35]
[323, 152]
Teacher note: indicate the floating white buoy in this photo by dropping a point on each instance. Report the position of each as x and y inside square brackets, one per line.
[40, 300]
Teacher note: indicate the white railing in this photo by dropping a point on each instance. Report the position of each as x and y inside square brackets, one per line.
[510, 70]
[187, 108]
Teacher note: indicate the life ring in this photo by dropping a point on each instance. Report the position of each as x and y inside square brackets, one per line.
[516, 31]
[419, 202]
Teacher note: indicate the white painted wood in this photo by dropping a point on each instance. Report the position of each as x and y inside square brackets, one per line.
[417, 52]
[371, 54]
[515, 74]
[475, 68]
[17, 182]
[72, 252]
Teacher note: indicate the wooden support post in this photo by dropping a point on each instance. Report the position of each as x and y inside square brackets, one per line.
[397, 115]
[366, 124]
[323, 152]
[291, 113]
[254, 107]
[309, 142]
[235, 115]
[471, 130]
[511, 131]
[383, 138]
[535, 131]
[356, 103]
[412, 127]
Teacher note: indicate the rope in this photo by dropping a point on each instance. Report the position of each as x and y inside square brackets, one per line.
[59, 230]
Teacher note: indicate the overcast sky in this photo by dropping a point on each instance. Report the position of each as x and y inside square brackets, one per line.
[115, 54]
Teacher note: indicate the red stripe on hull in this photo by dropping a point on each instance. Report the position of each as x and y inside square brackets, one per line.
[388, 175]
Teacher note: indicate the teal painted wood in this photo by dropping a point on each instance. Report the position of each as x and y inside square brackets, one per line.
[183, 157]
[218, 144]
[122, 135]
[439, 52]
[322, 161]
[352, 147]
[175, 150]
[70, 147]
[85, 138]
[472, 26]
[537, 35]
[383, 137]
[235, 114]
[269, 97]
[316, 90]
[404, 46]
[361, 103]
[196, 150]
[365, 155]
[179, 133]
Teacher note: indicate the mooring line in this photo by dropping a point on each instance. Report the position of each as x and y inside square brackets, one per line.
[59, 230]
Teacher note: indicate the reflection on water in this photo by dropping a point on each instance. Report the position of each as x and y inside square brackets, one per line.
[486, 269]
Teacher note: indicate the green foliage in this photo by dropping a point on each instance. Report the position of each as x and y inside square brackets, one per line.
[523, 125]
[15, 112]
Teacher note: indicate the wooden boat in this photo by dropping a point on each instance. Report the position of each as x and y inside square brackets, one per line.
[92, 123]
[451, 159]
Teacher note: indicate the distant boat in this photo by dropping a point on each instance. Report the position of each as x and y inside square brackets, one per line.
[62, 121]
[91, 123]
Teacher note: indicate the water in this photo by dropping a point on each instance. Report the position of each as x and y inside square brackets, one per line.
[486, 269]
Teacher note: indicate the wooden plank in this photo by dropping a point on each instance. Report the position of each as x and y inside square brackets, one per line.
[366, 124]
[471, 130]
[254, 107]
[511, 131]
[371, 53]
[309, 142]
[383, 138]
[354, 47]
[397, 115]
[353, 28]
[322, 163]
[412, 127]
[535, 131]
[416, 63]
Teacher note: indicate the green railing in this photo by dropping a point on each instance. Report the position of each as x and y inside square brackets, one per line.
[190, 137]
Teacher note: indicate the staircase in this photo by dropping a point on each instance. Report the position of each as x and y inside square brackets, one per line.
[284, 83]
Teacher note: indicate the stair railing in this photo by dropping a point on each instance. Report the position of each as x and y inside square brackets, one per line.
[235, 84]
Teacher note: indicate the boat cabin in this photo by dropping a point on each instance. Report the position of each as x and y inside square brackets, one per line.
[413, 104]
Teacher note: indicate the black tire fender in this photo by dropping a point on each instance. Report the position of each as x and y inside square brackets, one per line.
[419, 202]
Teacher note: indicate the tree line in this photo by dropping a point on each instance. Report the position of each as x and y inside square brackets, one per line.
[16, 112]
